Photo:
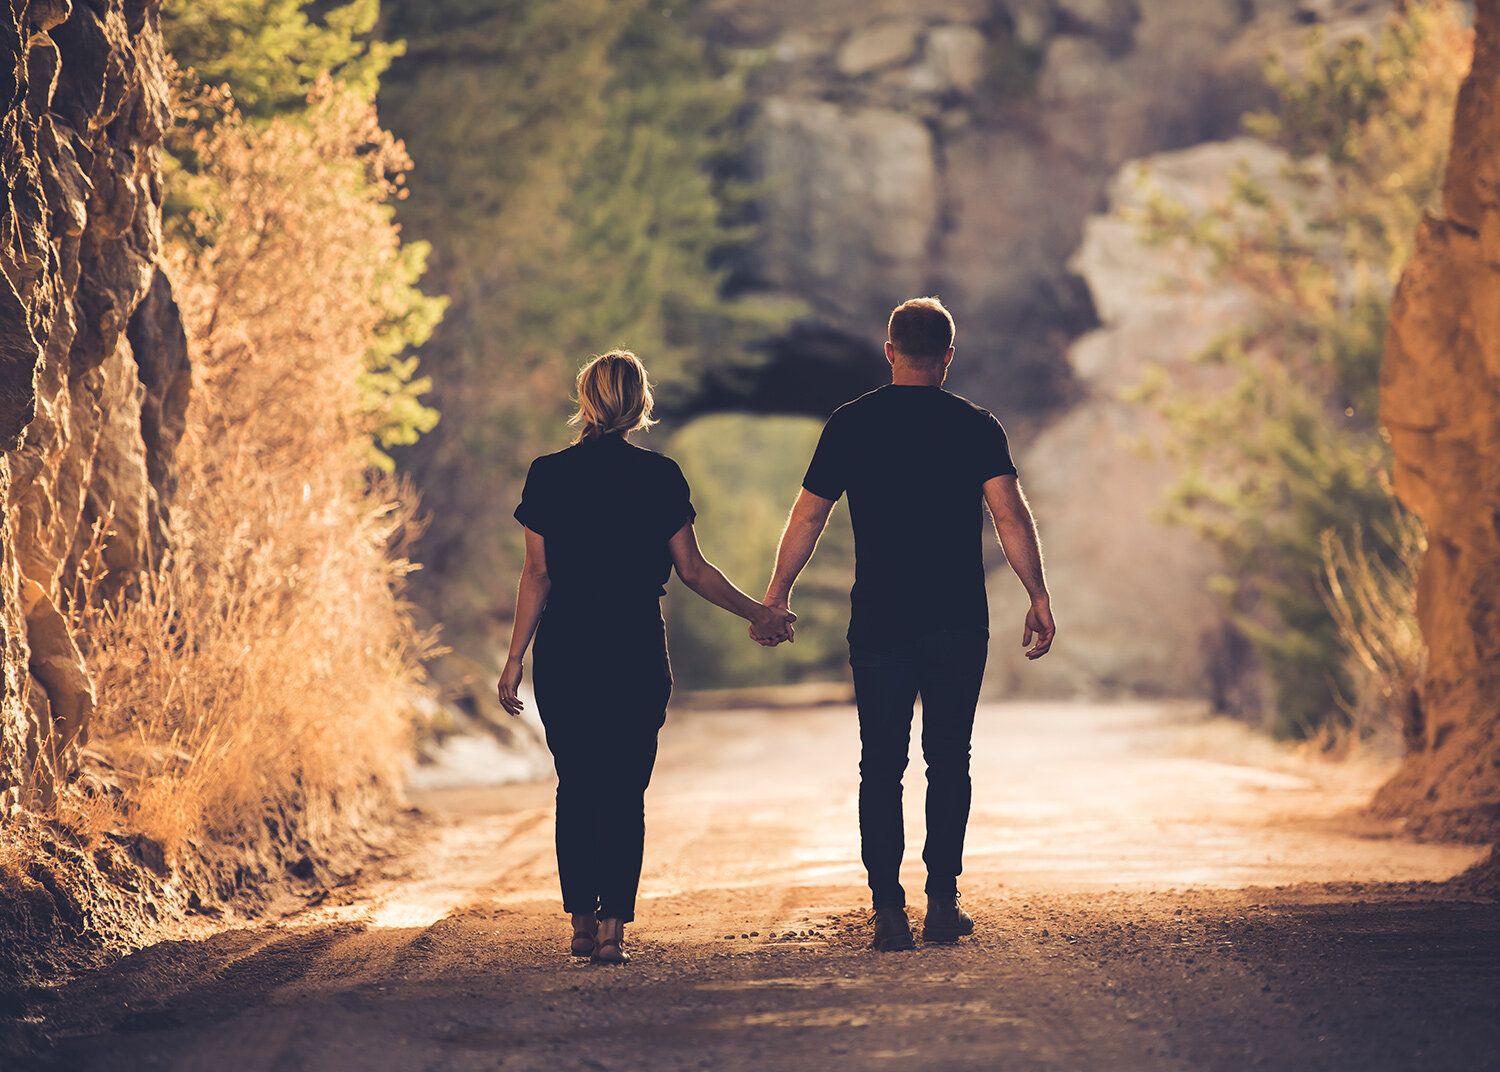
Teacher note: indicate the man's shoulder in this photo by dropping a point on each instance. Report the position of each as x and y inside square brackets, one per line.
[856, 406]
[964, 406]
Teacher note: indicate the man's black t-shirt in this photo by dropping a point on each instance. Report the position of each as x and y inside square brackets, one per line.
[606, 509]
[913, 461]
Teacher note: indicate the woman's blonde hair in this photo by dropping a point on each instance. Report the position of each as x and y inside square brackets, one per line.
[613, 396]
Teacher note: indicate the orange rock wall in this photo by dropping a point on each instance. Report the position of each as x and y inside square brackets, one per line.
[1440, 401]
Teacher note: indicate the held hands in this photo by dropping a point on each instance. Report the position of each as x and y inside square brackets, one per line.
[510, 682]
[772, 624]
[1039, 624]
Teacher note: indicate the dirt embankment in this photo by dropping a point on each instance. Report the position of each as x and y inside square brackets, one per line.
[1152, 892]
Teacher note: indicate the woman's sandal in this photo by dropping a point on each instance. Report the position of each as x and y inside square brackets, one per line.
[584, 941]
[610, 951]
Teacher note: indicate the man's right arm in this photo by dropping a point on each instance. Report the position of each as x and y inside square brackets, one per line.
[1017, 531]
[798, 541]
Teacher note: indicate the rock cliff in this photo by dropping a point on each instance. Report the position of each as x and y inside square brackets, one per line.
[958, 146]
[1133, 590]
[1440, 401]
[93, 362]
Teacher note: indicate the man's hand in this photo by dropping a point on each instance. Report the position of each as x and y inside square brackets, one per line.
[510, 682]
[1039, 624]
[772, 625]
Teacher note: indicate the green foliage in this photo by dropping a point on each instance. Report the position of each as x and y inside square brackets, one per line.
[1290, 457]
[569, 154]
[271, 53]
[390, 389]
[745, 472]
[275, 58]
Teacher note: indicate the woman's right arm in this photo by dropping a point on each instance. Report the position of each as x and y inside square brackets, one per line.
[769, 625]
[531, 598]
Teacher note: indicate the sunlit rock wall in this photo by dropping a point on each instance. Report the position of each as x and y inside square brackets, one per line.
[957, 146]
[1440, 401]
[93, 380]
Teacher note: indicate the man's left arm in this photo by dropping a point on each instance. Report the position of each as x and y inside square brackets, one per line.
[1017, 531]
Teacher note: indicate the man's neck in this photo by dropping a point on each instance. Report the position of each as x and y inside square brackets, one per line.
[904, 375]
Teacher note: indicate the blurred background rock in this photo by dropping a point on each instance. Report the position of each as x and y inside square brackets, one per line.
[742, 189]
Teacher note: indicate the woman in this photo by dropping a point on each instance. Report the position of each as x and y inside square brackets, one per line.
[605, 523]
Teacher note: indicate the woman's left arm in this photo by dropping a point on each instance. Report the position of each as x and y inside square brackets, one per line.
[770, 625]
[531, 598]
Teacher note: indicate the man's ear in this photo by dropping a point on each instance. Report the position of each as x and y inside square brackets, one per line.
[947, 358]
[890, 352]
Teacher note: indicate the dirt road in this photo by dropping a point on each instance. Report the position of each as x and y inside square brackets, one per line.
[1152, 892]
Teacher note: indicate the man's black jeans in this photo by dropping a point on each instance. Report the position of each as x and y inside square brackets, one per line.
[944, 667]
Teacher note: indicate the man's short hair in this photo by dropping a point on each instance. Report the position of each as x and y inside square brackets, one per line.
[921, 330]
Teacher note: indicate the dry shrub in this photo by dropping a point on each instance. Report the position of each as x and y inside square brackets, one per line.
[269, 657]
[1374, 605]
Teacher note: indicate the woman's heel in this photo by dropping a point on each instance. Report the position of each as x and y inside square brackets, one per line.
[584, 940]
[610, 949]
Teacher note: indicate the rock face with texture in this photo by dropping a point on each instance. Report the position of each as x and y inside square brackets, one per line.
[876, 159]
[1440, 401]
[957, 146]
[1131, 593]
[93, 382]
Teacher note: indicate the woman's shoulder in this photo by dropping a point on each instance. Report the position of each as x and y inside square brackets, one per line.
[544, 462]
[655, 460]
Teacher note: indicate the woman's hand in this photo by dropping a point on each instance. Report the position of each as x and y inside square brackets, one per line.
[510, 683]
[770, 625]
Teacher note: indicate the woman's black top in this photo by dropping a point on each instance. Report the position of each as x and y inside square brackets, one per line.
[606, 509]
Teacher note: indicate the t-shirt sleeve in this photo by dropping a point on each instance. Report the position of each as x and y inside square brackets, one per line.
[677, 508]
[535, 509]
[994, 452]
[828, 472]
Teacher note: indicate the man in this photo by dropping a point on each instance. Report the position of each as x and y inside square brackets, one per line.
[916, 461]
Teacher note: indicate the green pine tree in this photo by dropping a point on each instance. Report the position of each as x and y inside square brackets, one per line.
[568, 158]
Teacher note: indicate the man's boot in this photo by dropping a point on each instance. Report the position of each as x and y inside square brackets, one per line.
[946, 921]
[892, 930]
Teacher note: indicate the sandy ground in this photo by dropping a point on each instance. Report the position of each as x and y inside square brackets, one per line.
[1152, 891]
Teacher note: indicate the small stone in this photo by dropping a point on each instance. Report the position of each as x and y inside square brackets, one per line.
[955, 56]
[885, 44]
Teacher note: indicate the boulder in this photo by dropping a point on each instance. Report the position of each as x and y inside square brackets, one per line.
[952, 60]
[1030, 21]
[885, 44]
[853, 204]
[1440, 402]
[57, 666]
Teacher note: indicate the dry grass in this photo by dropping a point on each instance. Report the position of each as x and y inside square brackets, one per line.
[1375, 607]
[269, 656]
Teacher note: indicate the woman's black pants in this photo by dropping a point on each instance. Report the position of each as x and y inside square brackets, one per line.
[602, 691]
